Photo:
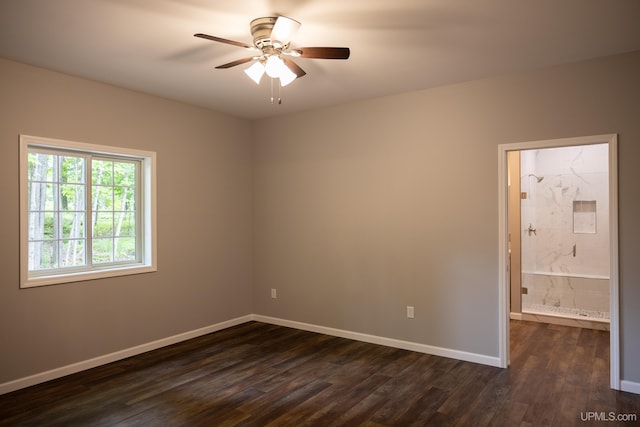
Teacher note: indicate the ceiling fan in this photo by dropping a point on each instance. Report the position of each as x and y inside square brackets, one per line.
[271, 39]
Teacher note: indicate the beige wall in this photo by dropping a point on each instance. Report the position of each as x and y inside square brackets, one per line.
[363, 209]
[351, 212]
[204, 224]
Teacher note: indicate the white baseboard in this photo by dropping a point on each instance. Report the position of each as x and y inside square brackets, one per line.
[118, 355]
[357, 336]
[630, 386]
[389, 342]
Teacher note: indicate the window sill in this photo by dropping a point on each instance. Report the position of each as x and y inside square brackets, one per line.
[86, 275]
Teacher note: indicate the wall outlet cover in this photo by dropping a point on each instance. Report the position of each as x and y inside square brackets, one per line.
[410, 312]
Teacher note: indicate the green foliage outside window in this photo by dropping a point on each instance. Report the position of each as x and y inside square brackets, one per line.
[58, 210]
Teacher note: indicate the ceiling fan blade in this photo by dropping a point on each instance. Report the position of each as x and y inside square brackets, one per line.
[324, 52]
[284, 29]
[236, 62]
[299, 72]
[221, 40]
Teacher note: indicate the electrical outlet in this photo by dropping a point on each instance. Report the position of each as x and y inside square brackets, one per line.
[274, 294]
[410, 312]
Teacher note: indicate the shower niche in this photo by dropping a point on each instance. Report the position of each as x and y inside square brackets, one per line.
[564, 235]
[584, 217]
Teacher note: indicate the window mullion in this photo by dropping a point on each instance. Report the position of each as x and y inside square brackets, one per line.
[138, 213]
[113, 213]
[89, 212]
[57, 195]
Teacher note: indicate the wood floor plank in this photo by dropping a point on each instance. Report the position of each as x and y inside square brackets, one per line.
[257, 374]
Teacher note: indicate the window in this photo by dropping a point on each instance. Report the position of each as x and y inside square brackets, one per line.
[87, 211]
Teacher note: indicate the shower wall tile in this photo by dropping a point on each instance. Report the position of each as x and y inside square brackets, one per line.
[567, 292]
[553, 179]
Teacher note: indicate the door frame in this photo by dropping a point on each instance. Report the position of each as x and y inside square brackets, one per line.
[504, 292]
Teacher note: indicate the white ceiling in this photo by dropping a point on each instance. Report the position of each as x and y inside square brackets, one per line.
[396, 45]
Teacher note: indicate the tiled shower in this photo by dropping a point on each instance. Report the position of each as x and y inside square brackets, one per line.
[565, 232]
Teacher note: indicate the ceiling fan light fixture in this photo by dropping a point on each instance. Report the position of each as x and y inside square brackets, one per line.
[255, 72]
[276, 68]
[271, 37]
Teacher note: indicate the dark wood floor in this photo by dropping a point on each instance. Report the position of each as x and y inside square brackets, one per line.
[258, 375]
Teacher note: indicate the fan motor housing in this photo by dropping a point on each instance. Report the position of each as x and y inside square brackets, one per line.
[261, 31]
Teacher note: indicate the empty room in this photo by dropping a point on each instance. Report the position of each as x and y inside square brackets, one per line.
[279, 212]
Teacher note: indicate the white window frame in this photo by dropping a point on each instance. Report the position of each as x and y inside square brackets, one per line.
[147, 200]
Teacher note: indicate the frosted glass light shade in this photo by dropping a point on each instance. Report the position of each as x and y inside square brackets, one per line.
[286, 76]
[284, 29]
[255, 72]
[274, 67]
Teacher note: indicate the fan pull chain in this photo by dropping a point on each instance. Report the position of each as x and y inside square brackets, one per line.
[272, 91]
[279, 94]
[272, 99]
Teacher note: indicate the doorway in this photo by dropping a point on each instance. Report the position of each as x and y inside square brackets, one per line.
[582, 220]
[559, 235]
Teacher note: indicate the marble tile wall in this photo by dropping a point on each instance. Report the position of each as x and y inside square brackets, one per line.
[549, 293]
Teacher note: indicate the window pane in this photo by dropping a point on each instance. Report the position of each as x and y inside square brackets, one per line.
[72, 253]
[124, 173]
[72, 169]
[56, 193]
[125, 249]
[102, 172]
[72, 197]
[126, 224]
[41, 167]
[103, 226]
[102, 250]
[37, 196]
[49, 227]
[48, 197]
[102, 198]
[42, 196]
[124, 199]
[42, 255]
[72, 225]
[36, 226]
[130, 202]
